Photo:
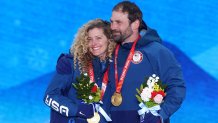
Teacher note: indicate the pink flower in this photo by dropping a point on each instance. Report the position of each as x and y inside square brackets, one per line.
[158, 98]
[154, 93]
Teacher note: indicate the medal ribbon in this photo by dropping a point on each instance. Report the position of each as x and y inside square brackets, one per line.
[104, 81]
[126, 66]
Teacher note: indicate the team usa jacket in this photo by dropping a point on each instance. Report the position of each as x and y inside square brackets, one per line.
[61, 96]
[151, 57]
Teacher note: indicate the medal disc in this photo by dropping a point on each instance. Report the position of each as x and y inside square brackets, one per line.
[116, 99]
[94, 119]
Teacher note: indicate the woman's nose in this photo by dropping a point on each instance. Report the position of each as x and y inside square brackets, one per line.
[93, 42]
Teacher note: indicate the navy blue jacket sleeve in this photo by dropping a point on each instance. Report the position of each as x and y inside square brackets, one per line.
[56, 94]
[171, 74]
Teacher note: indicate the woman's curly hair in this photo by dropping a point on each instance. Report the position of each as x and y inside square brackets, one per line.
[79, 48]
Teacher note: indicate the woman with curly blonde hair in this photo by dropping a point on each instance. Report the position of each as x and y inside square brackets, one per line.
[80, 48]
[90, 53]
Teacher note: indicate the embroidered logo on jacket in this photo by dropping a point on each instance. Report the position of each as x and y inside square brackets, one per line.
[137, 57]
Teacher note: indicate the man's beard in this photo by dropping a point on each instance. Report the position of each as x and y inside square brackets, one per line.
[120, 37]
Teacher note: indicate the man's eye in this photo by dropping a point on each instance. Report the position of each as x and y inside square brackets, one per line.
[118, 22]
[89, 40]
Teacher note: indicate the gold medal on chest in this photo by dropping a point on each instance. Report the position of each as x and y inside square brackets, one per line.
[116, 99]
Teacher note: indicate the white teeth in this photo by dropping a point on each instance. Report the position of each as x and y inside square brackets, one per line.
[95, 48]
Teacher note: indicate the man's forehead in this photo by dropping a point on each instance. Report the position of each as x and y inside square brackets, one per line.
[119, 15]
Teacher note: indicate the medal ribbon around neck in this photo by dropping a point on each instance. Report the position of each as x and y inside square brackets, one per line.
[105, 79]
[126, 66]
[99, 109]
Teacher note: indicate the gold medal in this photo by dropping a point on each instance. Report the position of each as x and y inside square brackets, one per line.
[116, 99]
[94, 119]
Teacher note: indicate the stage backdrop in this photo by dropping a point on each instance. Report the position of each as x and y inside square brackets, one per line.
[33, 33]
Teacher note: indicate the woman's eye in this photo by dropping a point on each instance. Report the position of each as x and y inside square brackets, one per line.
[98, 37]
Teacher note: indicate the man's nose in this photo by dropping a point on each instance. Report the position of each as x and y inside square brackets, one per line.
[113, 26]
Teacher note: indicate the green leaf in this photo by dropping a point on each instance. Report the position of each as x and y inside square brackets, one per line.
[150, 104]
[141, 87]
[139, 98]
[96, 99]
[145, 84]
[74, 85]
[138, 91]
